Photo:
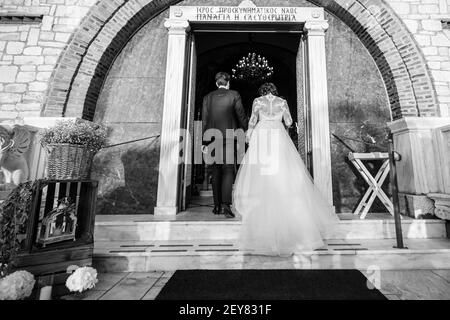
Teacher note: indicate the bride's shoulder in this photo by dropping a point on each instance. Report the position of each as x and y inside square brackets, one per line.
[279, 101]
[257, 104]
[257, 100]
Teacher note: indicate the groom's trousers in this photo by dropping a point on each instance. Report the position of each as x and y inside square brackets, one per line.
[223, 175]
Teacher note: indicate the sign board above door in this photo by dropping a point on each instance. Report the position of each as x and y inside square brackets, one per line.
[245, 14]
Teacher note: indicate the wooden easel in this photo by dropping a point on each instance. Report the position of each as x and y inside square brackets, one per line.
[374, 183]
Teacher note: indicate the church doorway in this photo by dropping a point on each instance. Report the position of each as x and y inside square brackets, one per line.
[214, 50]
[308, 24]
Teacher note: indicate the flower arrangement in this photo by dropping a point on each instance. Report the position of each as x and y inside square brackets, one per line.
[81, 279]
[71, 147]
[253, 68]
[16, 286]
[13, 223]
[85, 133]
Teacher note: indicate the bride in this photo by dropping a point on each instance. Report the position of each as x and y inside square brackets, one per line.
[282, 211]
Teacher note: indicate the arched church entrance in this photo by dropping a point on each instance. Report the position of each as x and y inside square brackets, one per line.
[131, 101]
[365, 42]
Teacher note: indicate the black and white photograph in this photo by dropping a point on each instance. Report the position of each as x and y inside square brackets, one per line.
[221, 157]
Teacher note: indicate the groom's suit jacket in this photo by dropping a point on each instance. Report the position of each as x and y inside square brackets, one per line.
[222, 110]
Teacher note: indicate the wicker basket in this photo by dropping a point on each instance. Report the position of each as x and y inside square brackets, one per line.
[69, 161]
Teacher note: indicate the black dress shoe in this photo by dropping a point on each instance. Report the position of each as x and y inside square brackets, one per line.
[216, 210]
[227, 211]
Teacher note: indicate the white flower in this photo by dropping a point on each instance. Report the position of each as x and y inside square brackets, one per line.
[72, 268]
[82, 279]
[16, 286]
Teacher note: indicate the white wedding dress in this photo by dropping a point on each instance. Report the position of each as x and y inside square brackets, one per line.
[282, 211]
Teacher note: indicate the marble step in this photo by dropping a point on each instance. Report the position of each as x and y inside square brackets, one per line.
[337, 254]
[138, 230]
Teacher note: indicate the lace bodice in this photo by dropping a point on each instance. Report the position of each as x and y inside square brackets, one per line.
[269, 108]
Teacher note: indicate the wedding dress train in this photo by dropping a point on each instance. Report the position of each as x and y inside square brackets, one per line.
[282, 210]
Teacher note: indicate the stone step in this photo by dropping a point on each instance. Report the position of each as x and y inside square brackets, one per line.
[133, 229]
[338, 254]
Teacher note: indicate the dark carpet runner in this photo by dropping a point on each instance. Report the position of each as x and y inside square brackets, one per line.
[268, 285]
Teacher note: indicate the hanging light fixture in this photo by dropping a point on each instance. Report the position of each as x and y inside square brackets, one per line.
[253, 68]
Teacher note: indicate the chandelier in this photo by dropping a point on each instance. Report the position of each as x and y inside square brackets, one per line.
[253, 68]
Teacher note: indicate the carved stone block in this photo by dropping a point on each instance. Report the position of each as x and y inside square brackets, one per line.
[442, 205]
[415, 206]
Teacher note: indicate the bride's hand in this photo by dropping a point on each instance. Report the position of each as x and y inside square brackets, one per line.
[248, 136]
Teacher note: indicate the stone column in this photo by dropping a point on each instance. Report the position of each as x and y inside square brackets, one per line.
[169, 166]
[318, 100]
[422, 173]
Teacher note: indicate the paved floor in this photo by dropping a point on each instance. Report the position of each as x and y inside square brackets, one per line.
[394, 284]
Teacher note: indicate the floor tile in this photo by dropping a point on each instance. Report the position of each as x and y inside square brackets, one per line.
[444, 273]
[157, 287]
[395, 285]
[167, 274]
[415, 284]
[133, 287]
[87, 295]
[94, 294]
[152, 293]
[107, 280]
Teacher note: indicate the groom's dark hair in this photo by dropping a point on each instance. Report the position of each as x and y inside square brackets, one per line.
[222, 78]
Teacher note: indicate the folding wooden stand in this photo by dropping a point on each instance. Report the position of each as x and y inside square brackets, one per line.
[374, 183]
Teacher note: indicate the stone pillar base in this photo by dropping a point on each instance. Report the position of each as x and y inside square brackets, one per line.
[442, 205]
[165, 211]
[415, 206]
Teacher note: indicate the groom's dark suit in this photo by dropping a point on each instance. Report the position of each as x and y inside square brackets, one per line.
[222, 110]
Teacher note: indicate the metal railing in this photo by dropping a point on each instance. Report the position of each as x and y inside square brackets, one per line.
[131, 141]
[394, 156]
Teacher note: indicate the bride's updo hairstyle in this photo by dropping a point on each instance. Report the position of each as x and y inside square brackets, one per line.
[267, 88]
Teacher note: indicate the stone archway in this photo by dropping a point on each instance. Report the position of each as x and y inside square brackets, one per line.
[82, 68]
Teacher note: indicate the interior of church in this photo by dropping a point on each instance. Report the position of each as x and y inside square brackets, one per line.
[220, 51]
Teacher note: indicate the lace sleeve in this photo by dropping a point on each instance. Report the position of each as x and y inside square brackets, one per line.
[254, 117]
[286, 114]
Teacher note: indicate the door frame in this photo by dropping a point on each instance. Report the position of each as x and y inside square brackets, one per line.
[312, 20]
[187, 123]
[190, 97]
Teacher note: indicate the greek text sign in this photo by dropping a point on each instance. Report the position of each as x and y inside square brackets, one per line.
[246, 14]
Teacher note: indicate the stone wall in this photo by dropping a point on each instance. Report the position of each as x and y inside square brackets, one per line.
[423, 19]
[131, 104]
[29, 52]
[359, 109]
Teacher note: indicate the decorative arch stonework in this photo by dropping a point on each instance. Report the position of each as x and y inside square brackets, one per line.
[83, 66]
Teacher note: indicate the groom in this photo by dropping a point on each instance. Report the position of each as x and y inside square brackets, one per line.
[222, 110]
